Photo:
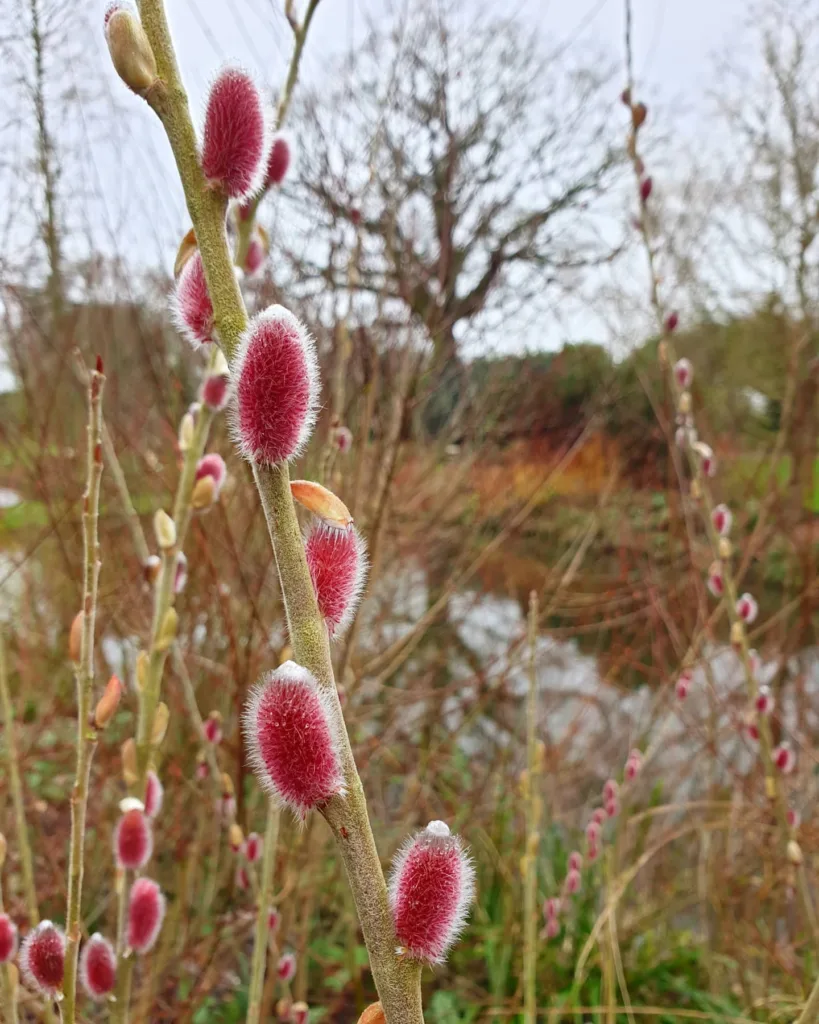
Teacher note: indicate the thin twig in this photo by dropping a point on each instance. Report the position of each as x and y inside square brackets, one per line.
[13, 759]
[271, 837]
[86, 731]
[533, 814]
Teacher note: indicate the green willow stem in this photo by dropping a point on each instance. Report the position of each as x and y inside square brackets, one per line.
[271, 837]
[397, 980]
[533, 813]
[13, 759]
[86, 733]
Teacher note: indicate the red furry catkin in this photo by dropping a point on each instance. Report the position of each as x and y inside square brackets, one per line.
[8, 939]
[291, 736]
[337, 560]
[235, 136]
[154, 794]
[784, 758]
[98, 967]
[215, 391]
[431, 887]
[133, 839]
[146, 911]
[286, 967]
[253, 847]
[213, 728]
[191, 306]
[42, 958]
[275, 387]
[278, 163]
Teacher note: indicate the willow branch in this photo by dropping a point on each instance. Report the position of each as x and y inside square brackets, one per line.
[533, 813]
[86, 732]
[271, 837]
[13, 760]
[397, 981]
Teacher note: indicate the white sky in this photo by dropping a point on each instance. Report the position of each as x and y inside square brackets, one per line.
[132, 201]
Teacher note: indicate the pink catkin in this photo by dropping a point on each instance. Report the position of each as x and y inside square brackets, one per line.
[784, 758]
[215, 391]
[275, 387]
[593, 830]
[191, 305]
[337, 561]
[551, 908]
[212, 465]
[716, 581]
[42, 958]
[572, 883]
[764, 702]
[683, 373]
[278, 163]
[633, 765]
[575, 861]
[98, 967]
[722, 519]
[8, 939]
[235, 135]
[273, 918]
[431, 887]
[213, 730]
[133, 840]
[342, 438]
[253, 847]
[154, 794]
[146, 911]
[286, 967]
[291, 736]
[747, 608]
[255, 256]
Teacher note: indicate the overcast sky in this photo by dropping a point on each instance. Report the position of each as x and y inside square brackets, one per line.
[131, 201]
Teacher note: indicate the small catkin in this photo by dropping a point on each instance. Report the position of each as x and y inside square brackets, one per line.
[235, 135]
[42, 958]
[337, 560]
[292, 738]
[8, 939]
[275, 388]
[146, 911]
[98, 967]
[431, 887]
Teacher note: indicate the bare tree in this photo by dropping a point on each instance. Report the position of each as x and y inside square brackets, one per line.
[452, 170]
